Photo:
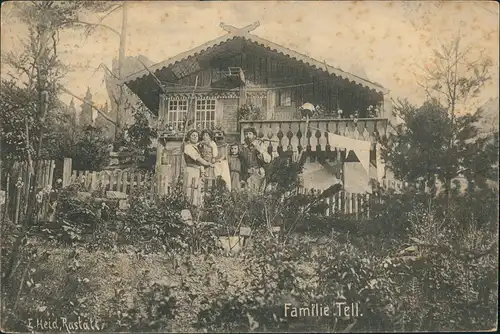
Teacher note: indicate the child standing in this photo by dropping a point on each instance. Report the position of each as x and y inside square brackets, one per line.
[235, 167]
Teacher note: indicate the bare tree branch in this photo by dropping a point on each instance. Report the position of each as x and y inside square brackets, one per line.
[102, 113]
[460, 253]
[109, 13]
[90, 26]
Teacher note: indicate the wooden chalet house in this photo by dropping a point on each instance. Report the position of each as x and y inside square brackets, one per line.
[222, 77]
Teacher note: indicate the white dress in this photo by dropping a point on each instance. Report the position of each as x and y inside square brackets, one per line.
[192, 174]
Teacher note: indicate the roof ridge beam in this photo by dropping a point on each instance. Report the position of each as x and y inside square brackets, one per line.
[240, 31]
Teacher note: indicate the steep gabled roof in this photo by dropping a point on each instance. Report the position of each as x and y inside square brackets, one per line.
[244, 33]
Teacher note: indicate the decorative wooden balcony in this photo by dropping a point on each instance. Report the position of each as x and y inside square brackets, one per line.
[291, 135]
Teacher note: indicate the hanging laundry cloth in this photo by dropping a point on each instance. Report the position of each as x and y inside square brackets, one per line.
[360, 147]
[221, 168]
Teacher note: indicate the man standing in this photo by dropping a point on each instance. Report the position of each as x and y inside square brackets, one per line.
[254, 156]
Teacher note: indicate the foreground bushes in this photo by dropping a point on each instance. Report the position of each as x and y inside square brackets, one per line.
[298, 275]
[149, 223]
[410, 268]
[414, 289]
[432, 274]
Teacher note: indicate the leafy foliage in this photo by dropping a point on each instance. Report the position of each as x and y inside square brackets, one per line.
[279, 204]
[69, 290]
[91, 152]
[298, 275]
[156, 224]
[152, 308]
[427, 276]
[249, 112]
[77, 219]
[63, 138]
[139, 135]
[18, 113]
[430, 145]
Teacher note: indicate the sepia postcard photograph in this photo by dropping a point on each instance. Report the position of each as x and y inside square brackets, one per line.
[249, 166]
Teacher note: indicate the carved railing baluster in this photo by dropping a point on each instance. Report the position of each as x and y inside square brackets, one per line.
[313, 140]
[322, 140]
[293, 136]
[301, 137]
[275, 139]
[294, 141]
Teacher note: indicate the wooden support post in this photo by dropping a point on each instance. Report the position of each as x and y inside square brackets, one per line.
[379, 163]
[67, 169]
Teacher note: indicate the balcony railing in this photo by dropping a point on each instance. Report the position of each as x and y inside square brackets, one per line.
[292, 135]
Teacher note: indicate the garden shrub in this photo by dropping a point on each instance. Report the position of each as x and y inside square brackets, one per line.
[226, 209]
[91, 151]
[280, 204]
[436, 274]
[390, 214]
[300, 275]
[152, 308]
[80, 219]
[479, 207]
[270, 268]
[155, 224]
[398, 284]
[48, 285]
[77, 218]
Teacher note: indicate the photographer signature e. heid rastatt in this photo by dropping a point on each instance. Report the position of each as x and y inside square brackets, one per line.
[65, 324]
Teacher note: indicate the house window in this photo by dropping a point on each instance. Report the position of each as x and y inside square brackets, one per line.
[177, 110]
[284, 98]
[205, 113]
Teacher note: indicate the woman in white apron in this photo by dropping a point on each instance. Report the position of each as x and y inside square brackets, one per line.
[194, 165]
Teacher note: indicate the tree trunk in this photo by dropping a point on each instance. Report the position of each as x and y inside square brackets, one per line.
[41, 75]
[121, 58]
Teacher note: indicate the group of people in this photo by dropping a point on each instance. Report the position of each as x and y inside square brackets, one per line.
[243, 167]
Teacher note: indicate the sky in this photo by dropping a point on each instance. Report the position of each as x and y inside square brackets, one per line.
[390, 41]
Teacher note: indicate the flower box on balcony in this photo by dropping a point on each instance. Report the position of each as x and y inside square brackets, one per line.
[249, 112]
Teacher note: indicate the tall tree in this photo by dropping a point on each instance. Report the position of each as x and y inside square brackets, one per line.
[118, 100]
[421, 148]
[455, 78]
[36, 70]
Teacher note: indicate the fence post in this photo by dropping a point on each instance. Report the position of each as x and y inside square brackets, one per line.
[356, 205]
[328, 202]
[368, 205]
[46, 172]
[124, 181]
[193, 185]
[24, 174]
[18, 202]
[164, 176]
[347, 203]
[67, 169]
[139, 180]
[93, 181]
[51, 175]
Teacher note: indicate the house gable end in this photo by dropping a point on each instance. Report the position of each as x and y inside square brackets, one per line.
[230, 46]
